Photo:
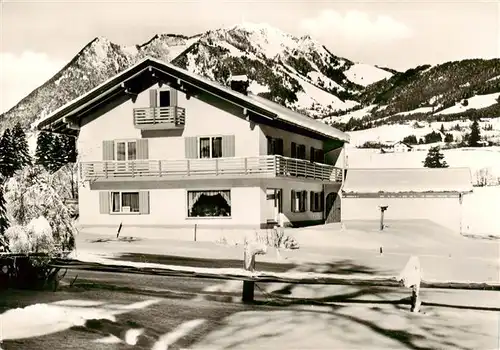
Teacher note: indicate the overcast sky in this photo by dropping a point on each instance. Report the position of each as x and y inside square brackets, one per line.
[37, 38]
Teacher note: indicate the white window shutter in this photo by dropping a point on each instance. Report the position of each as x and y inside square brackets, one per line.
[108, 150]
[144, 202]
[191, 147]
[173, 97]
[228, 146]
[153, 98]
[104, 199]
[142, 149]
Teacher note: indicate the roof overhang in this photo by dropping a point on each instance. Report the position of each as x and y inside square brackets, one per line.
[148, 72]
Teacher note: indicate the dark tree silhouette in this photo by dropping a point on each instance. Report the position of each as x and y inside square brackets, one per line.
[435, 159]
[43, 149]
[448, 138]
[68, 149]
[475, 134]
[8, 157]
[21, 146]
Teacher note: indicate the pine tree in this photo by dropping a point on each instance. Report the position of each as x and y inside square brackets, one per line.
[475, 134]
[56, 154]
[435, 159]
[21, 145]
[442, 128]
[69, 149]
[8, 157]
[43, 149]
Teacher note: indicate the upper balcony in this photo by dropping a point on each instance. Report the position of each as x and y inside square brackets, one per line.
[272, 166]
[159, 118]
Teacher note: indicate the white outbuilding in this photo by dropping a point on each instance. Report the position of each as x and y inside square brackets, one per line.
[431, 194]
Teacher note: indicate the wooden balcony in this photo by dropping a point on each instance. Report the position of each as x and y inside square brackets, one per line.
[261, 167]
[159, 118]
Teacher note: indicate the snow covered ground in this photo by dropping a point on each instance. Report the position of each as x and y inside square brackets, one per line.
[477, 102]
[364, 74]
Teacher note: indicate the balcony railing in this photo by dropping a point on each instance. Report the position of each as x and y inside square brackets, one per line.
[150, 118]
[263, 166]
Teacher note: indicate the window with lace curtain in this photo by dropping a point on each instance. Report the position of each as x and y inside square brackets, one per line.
[210, 203]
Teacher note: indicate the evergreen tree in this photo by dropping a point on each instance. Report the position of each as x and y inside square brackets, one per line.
[448, 138]
[56, 154]
[442, 128]
[435, 159]
[43, 149]
[475, 134]
[21, 145]
[69, 149]
[8, 155]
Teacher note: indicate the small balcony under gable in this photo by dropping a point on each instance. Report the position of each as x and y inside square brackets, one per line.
[163, 112]
[159, 118]
[272, 166]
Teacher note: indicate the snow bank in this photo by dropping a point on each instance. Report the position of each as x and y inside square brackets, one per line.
[42, 319]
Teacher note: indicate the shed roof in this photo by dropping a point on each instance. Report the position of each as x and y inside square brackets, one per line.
[455, 180]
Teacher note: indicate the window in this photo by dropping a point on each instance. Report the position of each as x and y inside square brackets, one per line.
[214, 203]
[298, 199]
[210, 147]
[298, 151]
[126, 150]
[125, 202]
[317, 155]
[316, 201]
[164, 98]
[274, 146]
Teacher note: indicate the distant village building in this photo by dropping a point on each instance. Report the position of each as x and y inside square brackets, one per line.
[396, 147]
[435, 195]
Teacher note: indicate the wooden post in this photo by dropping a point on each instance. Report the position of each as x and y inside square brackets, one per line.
[411, 276]
[249, 253]
[383, 208]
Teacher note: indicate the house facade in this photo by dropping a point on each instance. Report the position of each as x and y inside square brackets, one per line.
[159, 146]
[435, 195]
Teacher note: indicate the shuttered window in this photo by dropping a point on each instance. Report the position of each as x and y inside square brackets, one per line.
[210, 147]
[274, 146]
[298, 201]
[316, 201]
[136, 202]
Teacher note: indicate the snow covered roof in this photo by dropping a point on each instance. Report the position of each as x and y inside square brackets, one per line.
[156, 70]
[238, 78]
[455, 180]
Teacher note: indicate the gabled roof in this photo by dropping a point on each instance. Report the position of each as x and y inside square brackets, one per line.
[402, 143]
[455, 180]
[150, 71]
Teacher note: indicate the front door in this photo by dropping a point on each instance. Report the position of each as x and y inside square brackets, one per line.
[273, 204]
[333, 208]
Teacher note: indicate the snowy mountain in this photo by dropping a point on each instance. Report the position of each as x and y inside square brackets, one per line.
[298, 72]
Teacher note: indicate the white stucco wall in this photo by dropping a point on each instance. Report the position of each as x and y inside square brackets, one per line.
[202, 119]
[168, 207]
[443, 211]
